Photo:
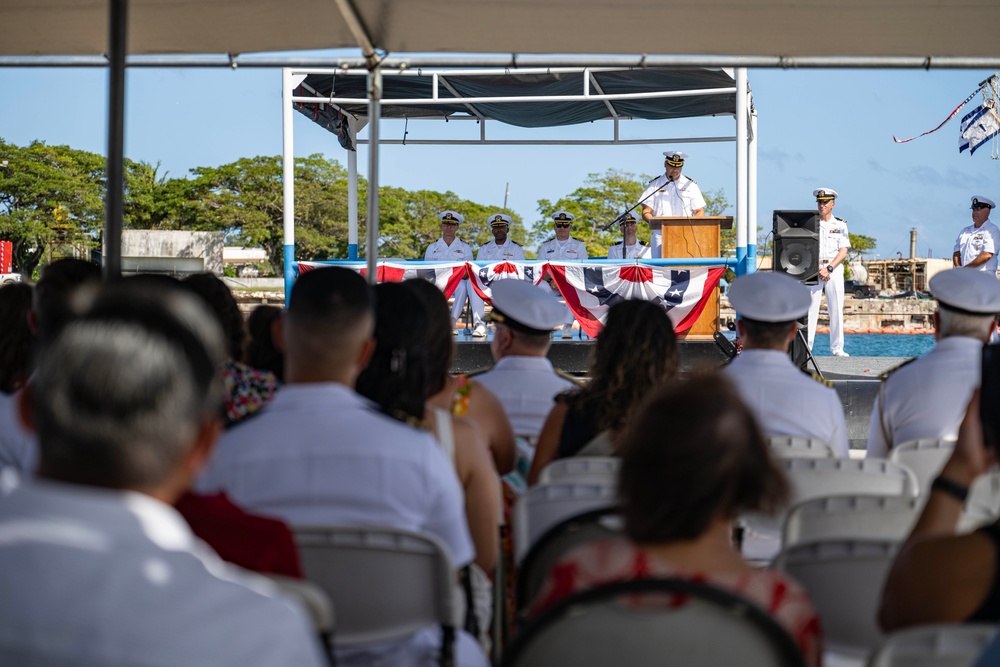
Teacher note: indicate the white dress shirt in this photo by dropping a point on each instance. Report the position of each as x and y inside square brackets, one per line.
[458, 251]
[786, 401]
[927, 397]
[568, 250]
[637, 250]
[18, 448]
[114, 578]
[527, 387]
[507, 252]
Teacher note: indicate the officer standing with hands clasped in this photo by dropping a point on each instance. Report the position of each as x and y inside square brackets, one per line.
[450, 248]
[563, 248]
[834, 240]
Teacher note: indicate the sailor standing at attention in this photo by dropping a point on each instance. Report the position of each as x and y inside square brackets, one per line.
[500, 249]
[976, 245]
[834, 240]
[563, 248]
[450, 248]
[634, 248]
[671, 194]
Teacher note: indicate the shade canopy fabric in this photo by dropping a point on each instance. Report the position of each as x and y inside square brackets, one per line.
[518, 85]
[922, 28]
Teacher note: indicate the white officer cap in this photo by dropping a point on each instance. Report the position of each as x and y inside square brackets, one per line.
[523, 307]
[967, 290]
[769, 297]
[564, 216]
[627, 218]
[825, 194]
[675, 158]
[979, 199]
[498, 219]
[452, 216]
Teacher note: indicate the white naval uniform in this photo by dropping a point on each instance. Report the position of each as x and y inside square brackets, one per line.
[18, 447]
[672, 198]
[508, 252]
[527, 387]
[637, 250]
[972, 241]
[927, 397]
[99, 577]
[833, 236]
[320, 454]
[458, 251]
[786, 401]
[563, 251]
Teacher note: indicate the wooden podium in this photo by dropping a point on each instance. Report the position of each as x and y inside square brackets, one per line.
[694, 236]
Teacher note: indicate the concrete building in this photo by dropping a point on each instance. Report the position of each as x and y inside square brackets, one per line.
[173, 252]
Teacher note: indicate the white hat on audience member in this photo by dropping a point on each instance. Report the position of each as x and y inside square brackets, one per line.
[452, 216]
[979, 199]
[675, 158]
[825, 194]
[769, 297]
[967, 290]
[523, 307]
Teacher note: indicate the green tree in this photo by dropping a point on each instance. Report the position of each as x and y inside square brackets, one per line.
[861, 245]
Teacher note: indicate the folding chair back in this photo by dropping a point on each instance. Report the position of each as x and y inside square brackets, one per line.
[557, 542]
[797, 446]
[599, 469]
[545, 505]
[983, 504]
[654, 622]
[934, 646]
[925, 457]
[858, 517]
[844, 579]
[385, 583]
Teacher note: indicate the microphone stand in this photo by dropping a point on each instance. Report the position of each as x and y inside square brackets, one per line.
[630, 209]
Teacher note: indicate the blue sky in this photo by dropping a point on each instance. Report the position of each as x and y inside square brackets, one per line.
[829, 128]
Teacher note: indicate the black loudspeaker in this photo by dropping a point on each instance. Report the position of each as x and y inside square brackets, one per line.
[796, 245]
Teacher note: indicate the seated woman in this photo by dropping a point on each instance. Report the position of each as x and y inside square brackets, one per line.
[940, 576]
[693, 459]
[636, 352]
[399, 378]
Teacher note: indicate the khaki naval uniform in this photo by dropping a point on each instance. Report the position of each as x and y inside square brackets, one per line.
[833, 236]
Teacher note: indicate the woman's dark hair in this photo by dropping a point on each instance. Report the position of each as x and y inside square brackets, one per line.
[693, 452]
[440, 349]
[220, 300]
[261, 351]
[635, 352]
[15, 336]
[396, 376]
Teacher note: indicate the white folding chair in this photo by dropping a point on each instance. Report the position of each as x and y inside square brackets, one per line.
[581, 469]
[925, 457]
[934, 646]
[545, 505]
[313, 599]
[855, 517]
[844, 579]
[385, 583]
[983, 504]
[787, 446]
[654, 622]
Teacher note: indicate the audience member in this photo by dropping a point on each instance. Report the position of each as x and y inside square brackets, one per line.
[261, 352]
[398, 379]
[461, 395]
[247, 389]
[940, 576]
[523, 377]
[50, 310]
[319, 454]
[784, 399]
[15, 336]
[100, 569]
[926, 397]
[635, 353]
[693, 459]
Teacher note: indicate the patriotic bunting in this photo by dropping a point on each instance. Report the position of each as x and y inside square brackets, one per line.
[445, 276]
[484, 276]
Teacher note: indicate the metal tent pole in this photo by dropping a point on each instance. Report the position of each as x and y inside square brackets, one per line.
[288, 178]
[372, 223]
[352, 202]
[752, 195]
[741, 170]
[115, 188]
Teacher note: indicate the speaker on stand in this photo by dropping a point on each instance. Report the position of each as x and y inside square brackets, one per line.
[796, 253]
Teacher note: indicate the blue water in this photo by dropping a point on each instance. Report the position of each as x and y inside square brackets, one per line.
[877, 345]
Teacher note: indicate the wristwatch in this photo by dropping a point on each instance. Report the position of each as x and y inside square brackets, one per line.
[829, 268]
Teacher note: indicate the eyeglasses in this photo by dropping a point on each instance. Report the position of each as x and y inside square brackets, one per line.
[450, 224]
[563, 225]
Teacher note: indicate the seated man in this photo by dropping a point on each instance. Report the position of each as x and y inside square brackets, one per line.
[784, 399]
[96, 568]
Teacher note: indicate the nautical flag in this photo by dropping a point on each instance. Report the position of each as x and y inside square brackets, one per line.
[484, 276]
[978, 127]
[445, 276]
[591, 290]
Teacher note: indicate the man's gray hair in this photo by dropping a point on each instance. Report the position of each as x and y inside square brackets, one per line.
[121, 393]
[954, 323]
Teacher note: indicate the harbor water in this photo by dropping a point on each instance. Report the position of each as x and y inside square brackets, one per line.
[877, 345]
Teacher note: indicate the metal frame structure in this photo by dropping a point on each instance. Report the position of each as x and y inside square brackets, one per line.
[292, 79]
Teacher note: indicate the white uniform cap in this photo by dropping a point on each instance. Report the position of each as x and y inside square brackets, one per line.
[769, 297]
[523, 307]
[452, 216]
[675, 158]
[967, 290]
[628, 217]
[825, 194]
[979, 199]
[563, 216]
[497, 219]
